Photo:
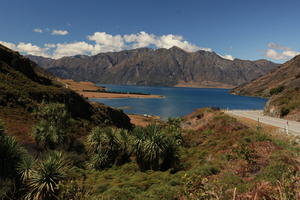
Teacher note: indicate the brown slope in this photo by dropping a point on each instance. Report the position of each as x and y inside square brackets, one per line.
[165, 67]
[282, 86]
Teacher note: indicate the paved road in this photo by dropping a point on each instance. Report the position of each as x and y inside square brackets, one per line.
[293, 126]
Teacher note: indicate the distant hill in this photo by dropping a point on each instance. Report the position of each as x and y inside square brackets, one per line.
[282, 86]
[160, 67]
[24, 85]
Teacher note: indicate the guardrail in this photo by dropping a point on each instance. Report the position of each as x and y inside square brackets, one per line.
[284, 126]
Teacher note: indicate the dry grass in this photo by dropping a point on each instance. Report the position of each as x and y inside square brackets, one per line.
[140, 120]
[80, 86]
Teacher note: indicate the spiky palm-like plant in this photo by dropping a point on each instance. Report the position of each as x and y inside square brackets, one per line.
[46, 177]
[153, 148]
[53, 127]
[149, 146]
[11, 153]
[1, 127]
[108, 146]
[25, 168]
[125, 141]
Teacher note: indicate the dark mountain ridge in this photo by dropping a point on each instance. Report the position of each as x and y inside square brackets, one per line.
[158, 67]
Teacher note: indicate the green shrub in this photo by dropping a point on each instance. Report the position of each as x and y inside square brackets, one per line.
[52, 130]
[154, 148]
[275, 171]
[11, 156]
[207, 169]
[284, 111]
[276, 90]
[46, 177]
[108, 146]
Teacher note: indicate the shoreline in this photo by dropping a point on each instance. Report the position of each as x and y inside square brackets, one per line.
[89, 89]
[107, 95]
[204, 87]
[204, 84]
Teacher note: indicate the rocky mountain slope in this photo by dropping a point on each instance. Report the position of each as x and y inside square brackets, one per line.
[164, 67]
[282, 86]
[23, 86]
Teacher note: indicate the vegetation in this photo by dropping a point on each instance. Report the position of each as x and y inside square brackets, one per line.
[45, 177]
[108, 146]
[221, 159]
[287, 103]
[52, 129]
[276, 90]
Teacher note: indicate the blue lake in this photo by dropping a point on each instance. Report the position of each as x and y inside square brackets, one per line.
[178, 101]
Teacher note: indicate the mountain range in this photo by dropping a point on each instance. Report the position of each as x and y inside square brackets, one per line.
[157, 67]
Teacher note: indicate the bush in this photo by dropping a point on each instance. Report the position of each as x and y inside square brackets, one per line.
[284, 111]
[108, 146]
[11, 156]
[52, 130]
[46, 177]
[156, 148]
[276, 90]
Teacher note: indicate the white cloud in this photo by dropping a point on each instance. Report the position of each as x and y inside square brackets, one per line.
[8, 45]
[59, 32]
[71, 49]
[27, 48]
[50, 45]
[168, 41]
[37, 30]
[144, 39]
[141, 39]
[104, 42]
[228, 57]
[279, 52]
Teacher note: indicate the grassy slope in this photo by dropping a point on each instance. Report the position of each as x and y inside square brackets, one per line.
[219, 154]
[23, 86]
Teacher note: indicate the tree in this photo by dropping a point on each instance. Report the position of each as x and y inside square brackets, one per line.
[108, 146]
[154, 149]
[11, 155]
[25, 168]
[52, 130]
[46, 176]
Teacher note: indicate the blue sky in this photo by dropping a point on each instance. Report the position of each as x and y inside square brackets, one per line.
[240, 28]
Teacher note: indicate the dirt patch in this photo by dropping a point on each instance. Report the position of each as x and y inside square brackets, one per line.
[18, 123]
[140, 120]
[80, 86]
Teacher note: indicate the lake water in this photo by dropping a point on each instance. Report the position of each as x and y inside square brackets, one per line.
[178, 101]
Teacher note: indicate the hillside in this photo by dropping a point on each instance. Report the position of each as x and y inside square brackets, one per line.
[163, 67]
[282, 86]
[218, 158]
[24, 86]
